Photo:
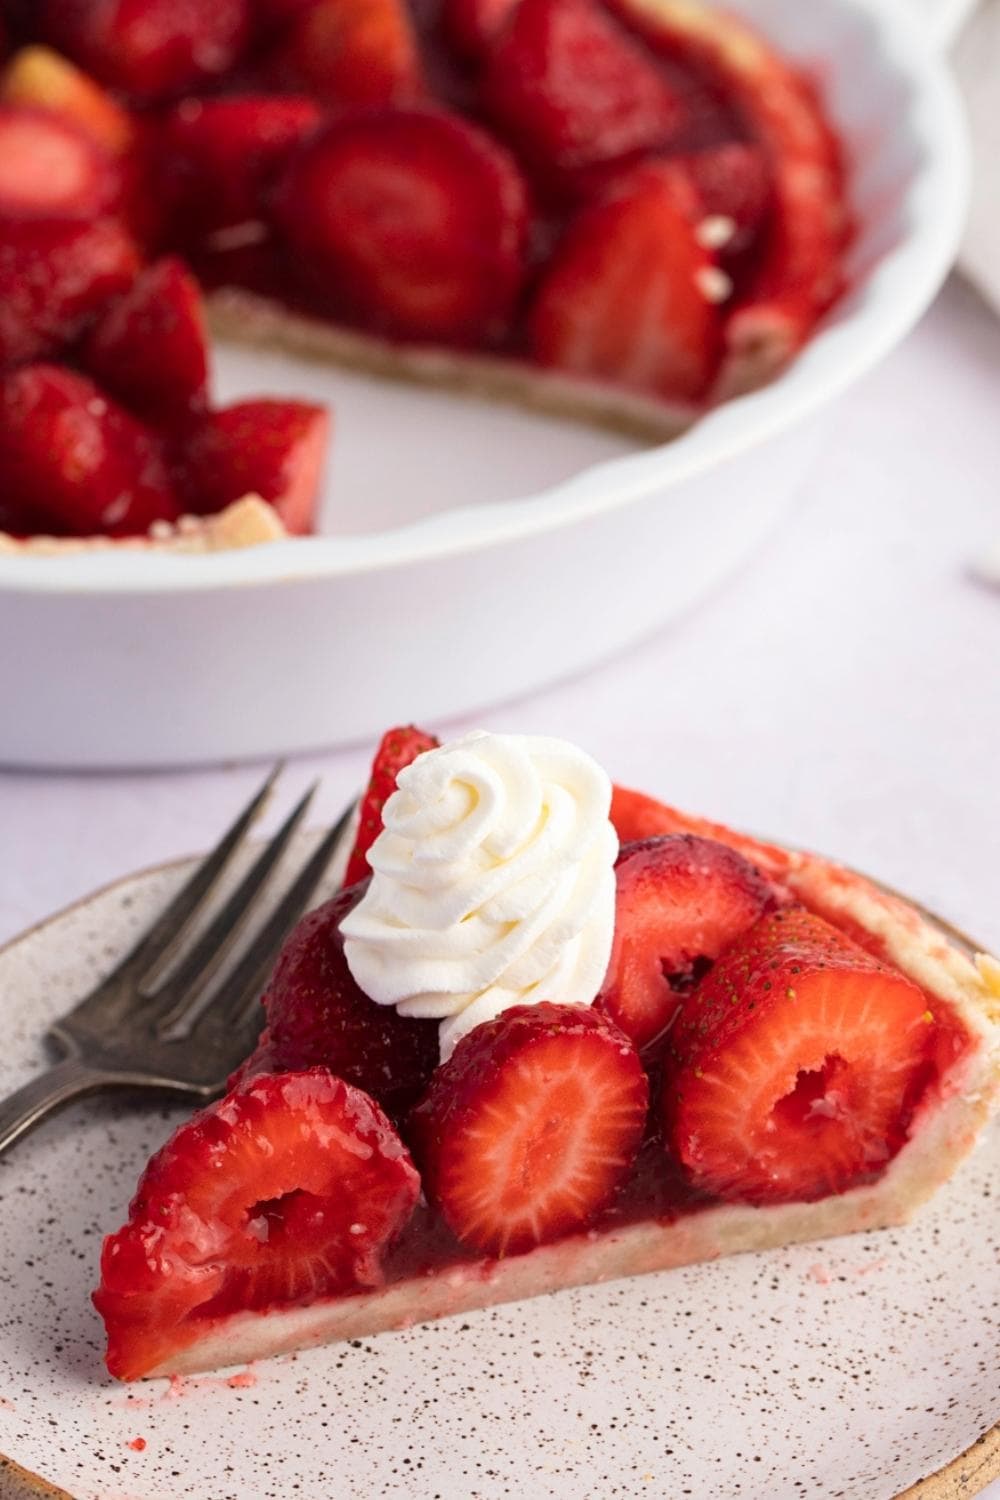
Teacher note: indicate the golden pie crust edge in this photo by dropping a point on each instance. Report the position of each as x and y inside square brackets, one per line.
[246, 523]
[946, 1130]
[243, 317]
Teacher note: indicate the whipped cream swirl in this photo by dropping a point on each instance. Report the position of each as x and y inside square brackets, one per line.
[493, 883]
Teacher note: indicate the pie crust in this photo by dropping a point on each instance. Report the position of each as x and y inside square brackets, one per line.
[245, 523]
[944, 1130]
[244, 317]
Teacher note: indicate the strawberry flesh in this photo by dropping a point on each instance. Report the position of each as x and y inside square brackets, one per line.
[529, 1129]
[794, 1067]
[275, 449]
[572, 89]
[397, 748]
[410, 222]
[219, 158]
[40, 78]
[680, 901]
[318, 1016]
[50, 169]
[150, 50]
[354, 53]
[149, 348]
[290, 1188]
[624, 296]
[77, 460]
[54, 276]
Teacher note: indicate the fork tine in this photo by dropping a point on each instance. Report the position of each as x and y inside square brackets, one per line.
[176, 996]
[231, 1002]
[169, 926]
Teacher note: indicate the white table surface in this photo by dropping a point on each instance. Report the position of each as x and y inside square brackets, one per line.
[843, 692]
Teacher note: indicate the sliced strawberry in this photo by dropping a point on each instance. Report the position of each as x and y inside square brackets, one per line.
[637, 816]
[794, 1067]
[473, 26]
[275, 449]
[572, 90]
[413, 222]
[680, 901]
[733, 183]
[50, 169]
[81, 463]
[800, 273]
[290, 1188]
[54, 276]
[628, 295]
[219, 158]
[149, 348]
[39, 78]
[354, 53]
[149, 49]
[397, 748]
[317, 1016]
[528, 1130]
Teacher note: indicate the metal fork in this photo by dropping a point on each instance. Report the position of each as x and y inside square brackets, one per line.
[174, 1034]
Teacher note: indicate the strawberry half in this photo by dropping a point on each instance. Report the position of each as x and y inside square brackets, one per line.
[220, 157]
[794, 1067]
[318, 1016]
[800, 272]
[275, 449]
[50, 169]
[628, 294]
[638, 816]
[411, 222]
[76, 460]
[571, 89]
[680, 901]
[354, 53]
[528, 1130]
[150, 348]
[54, 276]
[41, 79]
[290, 1188]
[148, 49]
[397, 748]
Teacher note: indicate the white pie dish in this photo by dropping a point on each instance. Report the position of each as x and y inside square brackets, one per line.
[125, 658]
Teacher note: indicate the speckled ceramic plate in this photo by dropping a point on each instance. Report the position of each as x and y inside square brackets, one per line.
[848, 1369]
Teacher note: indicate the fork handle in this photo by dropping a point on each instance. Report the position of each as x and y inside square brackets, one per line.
[59, 1085]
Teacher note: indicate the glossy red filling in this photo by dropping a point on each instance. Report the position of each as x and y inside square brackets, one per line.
[656, 1190]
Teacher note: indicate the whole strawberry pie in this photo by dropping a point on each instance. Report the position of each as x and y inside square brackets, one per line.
[614, 209]
[553, 1032]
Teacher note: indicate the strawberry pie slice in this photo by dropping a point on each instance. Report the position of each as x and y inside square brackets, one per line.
[619, 210]
[556, 1033]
